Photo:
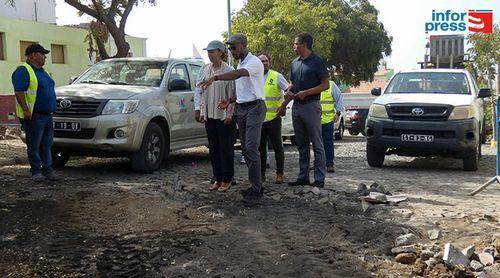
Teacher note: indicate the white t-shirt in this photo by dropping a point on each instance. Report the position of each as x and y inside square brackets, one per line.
[250, 88]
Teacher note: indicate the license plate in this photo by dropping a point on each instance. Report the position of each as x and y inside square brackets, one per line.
[417, 138]
[71, 126]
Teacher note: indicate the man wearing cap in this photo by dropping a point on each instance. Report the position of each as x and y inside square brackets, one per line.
[309, 77]
[250, 108]
[35, 104]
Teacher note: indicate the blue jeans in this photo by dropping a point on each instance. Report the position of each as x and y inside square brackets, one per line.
[39, 132]
[328, 138]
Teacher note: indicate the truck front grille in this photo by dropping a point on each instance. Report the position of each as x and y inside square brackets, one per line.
[429, 112]
[84, 133]
[79, 108]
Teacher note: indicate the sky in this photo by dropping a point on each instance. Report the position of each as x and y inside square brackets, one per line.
[174, 26]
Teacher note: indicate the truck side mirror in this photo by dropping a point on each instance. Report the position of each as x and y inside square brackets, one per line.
[484, 93]
[72, 79]
[377, 91]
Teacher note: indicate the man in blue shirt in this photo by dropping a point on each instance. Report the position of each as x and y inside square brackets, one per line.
[35, 113]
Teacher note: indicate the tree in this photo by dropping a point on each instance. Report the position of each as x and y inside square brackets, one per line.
[347, 34]
[111, 17]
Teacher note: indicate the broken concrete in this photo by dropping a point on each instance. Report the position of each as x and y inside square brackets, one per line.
[453, 257]
[476, 266]
[434, 234]
[469, 251]
[490, 250]
[404, 249]
[486, 259]
[406, 239]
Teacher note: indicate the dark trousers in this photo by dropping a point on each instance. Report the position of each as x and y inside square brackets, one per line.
[220, 144]
[327, 131]
[271, 131]
[39, 132]
[250, 119]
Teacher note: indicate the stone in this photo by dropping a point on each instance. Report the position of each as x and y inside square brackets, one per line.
[490, 250]
[486, 259]
[469, 251]
[426, 254]
[476, 266]
[406, 239]
[496, 241]
[404, 249]
[431, 263]
[434, 234]
[405, 213]
[316, 191]
[453, 257]
[323, 201]
[362, 190]
[406, 258]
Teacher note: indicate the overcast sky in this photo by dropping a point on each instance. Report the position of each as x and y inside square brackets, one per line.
[175, 26]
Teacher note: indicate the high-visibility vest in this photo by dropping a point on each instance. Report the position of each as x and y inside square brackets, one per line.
[327, 105]
[274, 97]
[30, 95]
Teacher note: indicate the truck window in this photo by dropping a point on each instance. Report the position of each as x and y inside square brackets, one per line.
[429, 82]
[179, 72]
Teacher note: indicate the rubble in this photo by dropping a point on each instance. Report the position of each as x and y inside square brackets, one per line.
[469, 251]
[404, 249]
[406, 258]
[434, 234]
[490, 250]
[486, 258]
[453, 257]
[426, 255]
[476, 266]
[406, 239]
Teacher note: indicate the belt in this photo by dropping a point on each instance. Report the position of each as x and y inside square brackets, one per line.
[44, 113]
[250, 103]
[305, 101]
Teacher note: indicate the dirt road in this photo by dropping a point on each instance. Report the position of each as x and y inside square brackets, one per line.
[105, 221]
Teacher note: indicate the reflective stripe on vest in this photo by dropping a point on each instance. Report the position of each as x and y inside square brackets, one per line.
[327, 105]
[30, 95]
[274, 97]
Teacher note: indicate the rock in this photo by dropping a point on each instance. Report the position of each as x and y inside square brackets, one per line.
[405, 213]
[404, 249]
[469, 251]
[316, 191]
[434, 234]
[431, 263]
[426, 254]
[486, 259]
[406, 239]
[323, 200]
[496, 241]
[406, 258]
[490, 250]
[362, 190]
[476, 266]
[462, 272]
[453, 257]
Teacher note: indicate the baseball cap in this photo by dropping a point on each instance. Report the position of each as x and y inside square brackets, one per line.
[215, 45]
[237, 38]
[35, 48]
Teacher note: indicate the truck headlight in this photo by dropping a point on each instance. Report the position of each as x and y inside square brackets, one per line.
[377, 111]
[462, 112]
[120, 107]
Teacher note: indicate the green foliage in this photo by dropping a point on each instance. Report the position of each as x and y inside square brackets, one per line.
[347, 35]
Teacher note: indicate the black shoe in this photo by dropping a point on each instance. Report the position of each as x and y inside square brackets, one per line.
[298, 183]
[251, 196]
[319, 184]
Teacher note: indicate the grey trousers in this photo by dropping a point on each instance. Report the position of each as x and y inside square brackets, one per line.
[307, 128]
[250, 118]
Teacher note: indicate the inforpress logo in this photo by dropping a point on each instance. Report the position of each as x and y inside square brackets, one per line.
[474, 21]
[481, 21]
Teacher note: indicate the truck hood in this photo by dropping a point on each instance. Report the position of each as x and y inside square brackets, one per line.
[446, 99]
[99, 91]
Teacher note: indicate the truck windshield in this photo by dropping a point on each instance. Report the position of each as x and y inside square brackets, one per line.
[138, 73]
[429, 83]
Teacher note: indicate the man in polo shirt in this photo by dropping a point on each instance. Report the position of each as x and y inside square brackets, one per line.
[250, 108]
[309, 77]
[35, 104]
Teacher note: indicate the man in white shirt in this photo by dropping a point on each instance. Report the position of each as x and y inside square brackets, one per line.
[250, 108]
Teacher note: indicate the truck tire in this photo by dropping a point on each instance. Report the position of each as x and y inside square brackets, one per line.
[59, 159]
[150, 156]
[340, 135]
[375, 156]
[353, 133]
[470, 161]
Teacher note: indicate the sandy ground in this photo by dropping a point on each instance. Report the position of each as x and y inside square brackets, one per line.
[105, 221]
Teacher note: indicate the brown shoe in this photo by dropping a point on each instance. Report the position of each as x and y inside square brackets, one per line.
[224, 187]
[279, 179]
[216, 185]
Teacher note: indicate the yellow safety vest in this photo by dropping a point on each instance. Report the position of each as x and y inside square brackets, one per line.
[30, 95]
[274, 97]
[327, 105]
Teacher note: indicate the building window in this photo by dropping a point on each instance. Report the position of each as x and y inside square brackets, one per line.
[22, 48]
[2, 46]
[57, 52]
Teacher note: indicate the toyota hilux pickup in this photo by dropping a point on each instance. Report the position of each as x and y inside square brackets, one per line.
[425, 113]
[141, 108]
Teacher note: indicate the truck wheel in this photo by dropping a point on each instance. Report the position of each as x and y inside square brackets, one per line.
[150, 156]
[340, 135]
[353, 133]
[59, 159]
[375, 156]
[470, 161]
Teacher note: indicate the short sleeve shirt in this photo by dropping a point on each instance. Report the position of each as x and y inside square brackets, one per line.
[45, 96]
[307, 73]
[250, 88]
